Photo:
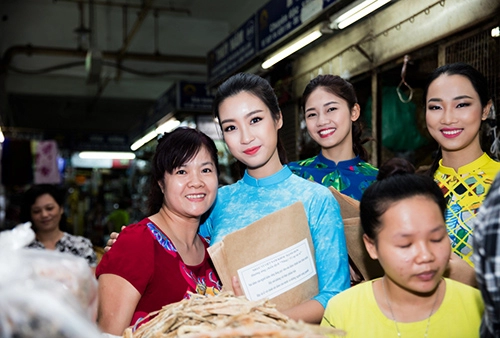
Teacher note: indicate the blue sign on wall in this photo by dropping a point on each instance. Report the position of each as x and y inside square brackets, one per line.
[233, 52]
[194, 96]
[183, 95]
[280, 17]
[272, 22]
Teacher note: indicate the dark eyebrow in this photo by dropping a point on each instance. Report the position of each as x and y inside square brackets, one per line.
[247, 115]
[226, 120]
[434, 100]
[439, 227]
[253, 112]
[329, 103]
[204, 163]
[325, 105]
[461, 97]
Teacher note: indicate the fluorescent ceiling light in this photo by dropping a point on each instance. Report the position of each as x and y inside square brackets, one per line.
[143, 140]
[166, 127]
[495, 32]
[292, 49]
[359, 11]
[107, 155]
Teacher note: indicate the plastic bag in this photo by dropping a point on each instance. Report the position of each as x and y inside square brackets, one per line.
[44, 293]
[39, 311]
[17, 238]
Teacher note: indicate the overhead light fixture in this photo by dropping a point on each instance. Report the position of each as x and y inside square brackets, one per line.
[2, 137]
[164, 127]
[143, 140]
[167, 126]
[107, 155]
[495, 32]
[273, 59]
[355, 12]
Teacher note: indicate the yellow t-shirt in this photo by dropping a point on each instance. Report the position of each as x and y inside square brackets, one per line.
[356, 311]
[465, 191]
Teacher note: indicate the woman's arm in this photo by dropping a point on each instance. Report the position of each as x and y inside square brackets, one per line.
[327, 231]
[332, 267]
[310, 311]
[461, 271]
[117, 302]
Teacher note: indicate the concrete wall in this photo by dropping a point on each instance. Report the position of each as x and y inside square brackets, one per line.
[400, 28]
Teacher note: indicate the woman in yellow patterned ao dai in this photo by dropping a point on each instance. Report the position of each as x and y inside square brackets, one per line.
[457, 101]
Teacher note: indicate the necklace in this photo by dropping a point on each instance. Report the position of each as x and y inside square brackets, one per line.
[394, 318]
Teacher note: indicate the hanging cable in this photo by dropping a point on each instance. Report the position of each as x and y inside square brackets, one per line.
[403, 82]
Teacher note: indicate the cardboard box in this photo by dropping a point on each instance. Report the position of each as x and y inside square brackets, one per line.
[359, 259]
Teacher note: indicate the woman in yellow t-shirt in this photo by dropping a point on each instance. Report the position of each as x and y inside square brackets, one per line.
[457, 100]
[404, 228]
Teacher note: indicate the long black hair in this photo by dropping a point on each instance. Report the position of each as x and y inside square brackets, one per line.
[338, 86]
[478, 81]
[257, 86]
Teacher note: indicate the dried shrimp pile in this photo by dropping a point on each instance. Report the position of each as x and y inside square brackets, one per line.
[224, 316]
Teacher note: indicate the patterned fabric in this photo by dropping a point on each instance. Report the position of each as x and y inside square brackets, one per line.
[486, 258]
[161, 238]
[350, 177]
[198, 284]
[75, 245]
[464, 191]
[458, 316]
[147, 259]
[248, 200]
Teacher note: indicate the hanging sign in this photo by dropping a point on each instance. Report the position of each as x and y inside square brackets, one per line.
[278, 18]
[100, 142]
[194, 96]
[183, 95]
[233, 52]
[272, 22]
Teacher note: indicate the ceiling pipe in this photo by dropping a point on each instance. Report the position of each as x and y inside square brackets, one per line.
[137, 6]
[81, 30]
[141, 16]
[124, 22]
[64, 52]
[93, 30]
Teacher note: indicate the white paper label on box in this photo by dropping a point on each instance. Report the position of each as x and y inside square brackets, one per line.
[278, 273]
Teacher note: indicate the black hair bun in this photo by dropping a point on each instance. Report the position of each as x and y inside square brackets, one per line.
[395, 166]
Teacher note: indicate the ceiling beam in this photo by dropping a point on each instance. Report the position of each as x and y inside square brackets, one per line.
[129, 5]
[66, 52]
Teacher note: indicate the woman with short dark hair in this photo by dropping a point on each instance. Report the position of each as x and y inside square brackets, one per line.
[43, 206]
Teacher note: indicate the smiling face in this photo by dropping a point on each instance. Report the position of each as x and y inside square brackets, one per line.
[412, 244]
[329, 121]
[191, 189]
[251, 133]
[46, 213]
[454, 114]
